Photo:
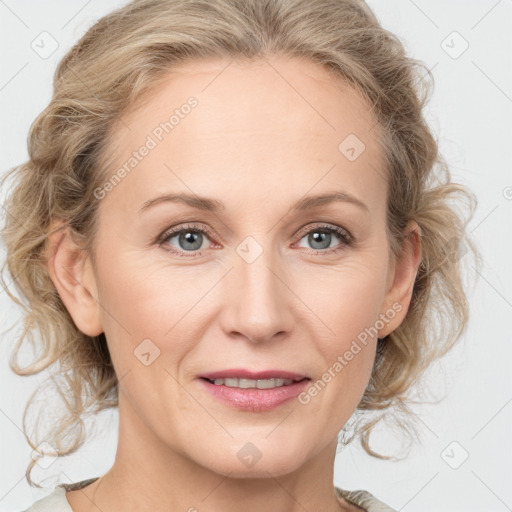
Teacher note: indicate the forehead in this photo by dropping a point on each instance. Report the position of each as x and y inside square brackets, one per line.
[283, 90]
[282, 121]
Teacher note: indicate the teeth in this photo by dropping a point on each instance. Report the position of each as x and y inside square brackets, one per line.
[250, 383]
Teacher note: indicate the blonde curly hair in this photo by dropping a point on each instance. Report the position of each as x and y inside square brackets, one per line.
[120, 59]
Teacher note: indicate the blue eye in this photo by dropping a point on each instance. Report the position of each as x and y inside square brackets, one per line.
[321, 238]
[190, 238]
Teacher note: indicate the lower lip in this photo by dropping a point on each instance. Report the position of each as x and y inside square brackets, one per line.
[253, 399]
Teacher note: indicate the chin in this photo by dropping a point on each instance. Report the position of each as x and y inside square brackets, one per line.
[251, 460]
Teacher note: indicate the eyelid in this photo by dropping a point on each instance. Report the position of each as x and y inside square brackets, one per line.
[192, 226]
[327, 226]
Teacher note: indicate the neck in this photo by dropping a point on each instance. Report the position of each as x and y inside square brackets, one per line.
[148, 474]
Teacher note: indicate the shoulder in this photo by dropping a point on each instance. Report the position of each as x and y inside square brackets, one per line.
[367, 501]
[56, 501]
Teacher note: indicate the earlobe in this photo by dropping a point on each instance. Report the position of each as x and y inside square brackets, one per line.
[406, 267]
[72, 274]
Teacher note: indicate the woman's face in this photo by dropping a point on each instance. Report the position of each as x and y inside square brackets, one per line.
[255, 276]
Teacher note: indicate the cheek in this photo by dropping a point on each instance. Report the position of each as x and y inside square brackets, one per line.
[347, 301]
[147, 302]
[349, 305]
[346, 298]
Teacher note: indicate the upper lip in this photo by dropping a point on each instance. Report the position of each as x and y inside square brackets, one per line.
[246, 374]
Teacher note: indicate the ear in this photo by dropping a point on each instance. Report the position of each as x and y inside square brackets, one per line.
[71, 271]
[401, 278]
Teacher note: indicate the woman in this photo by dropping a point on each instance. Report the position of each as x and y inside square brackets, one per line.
[234, 230]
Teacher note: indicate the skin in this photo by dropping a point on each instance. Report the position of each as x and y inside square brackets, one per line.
[263, 135]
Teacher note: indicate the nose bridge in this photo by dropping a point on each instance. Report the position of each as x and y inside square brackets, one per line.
[258, 304]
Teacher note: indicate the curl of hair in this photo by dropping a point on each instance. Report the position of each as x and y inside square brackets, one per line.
[124, 56]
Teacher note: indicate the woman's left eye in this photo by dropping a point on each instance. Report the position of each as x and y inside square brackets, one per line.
[190, 239]
[322, 237]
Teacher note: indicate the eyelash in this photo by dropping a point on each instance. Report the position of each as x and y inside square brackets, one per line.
[346, 238]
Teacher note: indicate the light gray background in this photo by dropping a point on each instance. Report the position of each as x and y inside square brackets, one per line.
[471, 112]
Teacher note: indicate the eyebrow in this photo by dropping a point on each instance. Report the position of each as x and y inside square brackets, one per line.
[213, 205]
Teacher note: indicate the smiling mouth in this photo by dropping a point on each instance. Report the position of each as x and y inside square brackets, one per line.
[242, 383]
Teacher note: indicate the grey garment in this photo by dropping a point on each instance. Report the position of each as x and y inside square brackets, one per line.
[365, 500]
[57, 502]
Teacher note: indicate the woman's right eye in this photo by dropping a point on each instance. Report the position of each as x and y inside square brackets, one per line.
[188, 238]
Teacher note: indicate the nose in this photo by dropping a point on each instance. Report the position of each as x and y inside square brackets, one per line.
[257, 301]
